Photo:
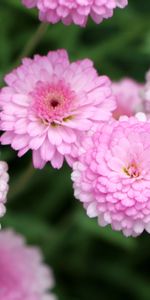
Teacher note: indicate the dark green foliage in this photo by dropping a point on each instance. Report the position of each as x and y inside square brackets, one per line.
[90, 263]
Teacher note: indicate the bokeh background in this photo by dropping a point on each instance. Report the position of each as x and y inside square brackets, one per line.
[89, 262]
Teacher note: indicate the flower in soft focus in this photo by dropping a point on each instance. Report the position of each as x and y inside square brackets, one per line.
[4, 177]
[23, 275]
[128, 97]
[50, 103]
[75, 11]
[146, 95]
[112, 176]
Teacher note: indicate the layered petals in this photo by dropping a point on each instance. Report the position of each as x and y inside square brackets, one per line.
[49, 103]
[112, 175]
[75, 11]
[23, 274]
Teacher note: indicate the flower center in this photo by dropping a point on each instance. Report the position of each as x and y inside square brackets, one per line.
[52, 102]
[132, 170]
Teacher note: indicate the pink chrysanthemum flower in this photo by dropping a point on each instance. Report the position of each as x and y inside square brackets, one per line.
[75, 11]
[112, 176]
[50, 103]
[128, 97]
[4, 177]
[23, 275]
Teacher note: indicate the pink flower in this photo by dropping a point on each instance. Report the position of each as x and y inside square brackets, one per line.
[23, 275]
[128, 97]
[50, 103]
[112, 176]
[75, 11]
[4, 177]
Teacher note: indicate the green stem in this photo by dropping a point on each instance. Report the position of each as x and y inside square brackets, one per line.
[20, 183]
[34, 41]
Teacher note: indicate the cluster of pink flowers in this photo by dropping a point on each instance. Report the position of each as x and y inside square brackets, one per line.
[23, 276]
[65, 110]
[62, 110]
[75, 11]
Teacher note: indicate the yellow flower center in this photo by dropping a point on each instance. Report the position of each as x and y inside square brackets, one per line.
[132, 170]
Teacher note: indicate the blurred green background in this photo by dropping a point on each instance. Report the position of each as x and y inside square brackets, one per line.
[89, 262]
